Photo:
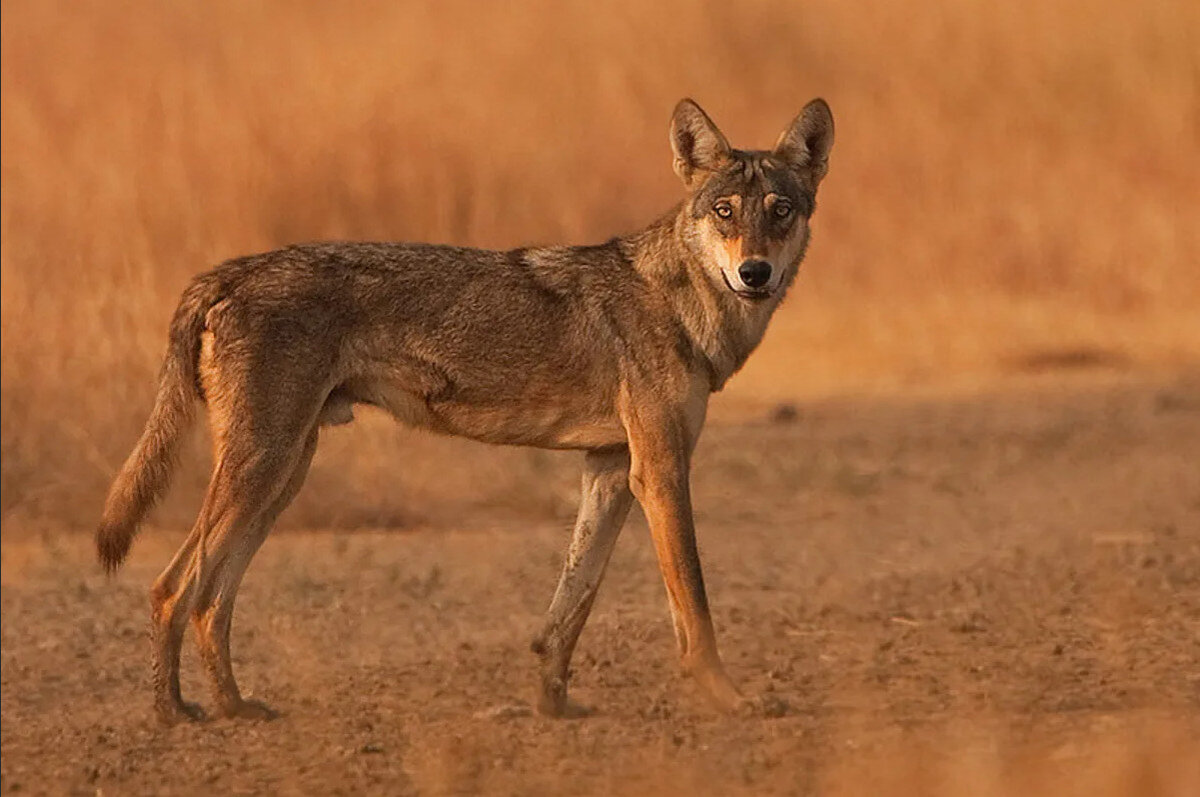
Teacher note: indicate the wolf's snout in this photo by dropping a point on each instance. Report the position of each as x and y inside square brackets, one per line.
[755, 273]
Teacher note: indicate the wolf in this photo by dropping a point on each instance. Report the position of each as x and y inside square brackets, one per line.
[611, 349]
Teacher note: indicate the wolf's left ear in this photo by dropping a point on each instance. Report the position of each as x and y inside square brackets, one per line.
[697, 143]
[806, 142]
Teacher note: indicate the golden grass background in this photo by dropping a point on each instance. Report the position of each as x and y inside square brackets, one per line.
[1012, 183]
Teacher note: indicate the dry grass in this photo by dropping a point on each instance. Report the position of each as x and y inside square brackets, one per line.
[1009, 179]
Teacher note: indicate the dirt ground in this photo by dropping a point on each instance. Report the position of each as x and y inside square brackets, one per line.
[986, 594]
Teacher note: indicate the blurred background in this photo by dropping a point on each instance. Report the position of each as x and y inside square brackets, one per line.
[1014, 189]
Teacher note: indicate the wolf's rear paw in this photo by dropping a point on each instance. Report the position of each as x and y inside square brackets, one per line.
[563, 708]
[253, 710]
[553, 702]
[506, 711]
[179, 712]
[763, 707]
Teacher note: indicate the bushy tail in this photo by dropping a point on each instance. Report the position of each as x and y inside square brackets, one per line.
[146, 475]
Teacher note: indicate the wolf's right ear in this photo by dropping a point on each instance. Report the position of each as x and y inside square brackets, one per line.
[697, 143]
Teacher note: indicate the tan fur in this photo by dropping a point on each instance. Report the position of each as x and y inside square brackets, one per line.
[613, 349]
[732, 254]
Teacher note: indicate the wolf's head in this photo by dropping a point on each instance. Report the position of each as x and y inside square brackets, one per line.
[747, 212]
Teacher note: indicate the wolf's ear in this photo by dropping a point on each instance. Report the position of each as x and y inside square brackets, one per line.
[697, 143]
[806, 142]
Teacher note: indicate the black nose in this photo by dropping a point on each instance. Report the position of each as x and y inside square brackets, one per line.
[755, 273]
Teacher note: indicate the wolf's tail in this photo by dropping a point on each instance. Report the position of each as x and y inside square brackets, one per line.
[146, 475]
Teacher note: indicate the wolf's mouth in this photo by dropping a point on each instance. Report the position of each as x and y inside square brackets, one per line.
[748, 294]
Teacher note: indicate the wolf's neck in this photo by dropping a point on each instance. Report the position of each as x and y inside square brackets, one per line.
[722, 328]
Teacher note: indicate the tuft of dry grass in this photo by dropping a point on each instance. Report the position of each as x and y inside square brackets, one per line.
[1010, 181]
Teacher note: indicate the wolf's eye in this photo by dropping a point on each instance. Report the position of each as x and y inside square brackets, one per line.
[782, 209]
[723, 210]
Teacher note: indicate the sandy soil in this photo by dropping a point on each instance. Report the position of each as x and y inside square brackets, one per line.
[977, 595]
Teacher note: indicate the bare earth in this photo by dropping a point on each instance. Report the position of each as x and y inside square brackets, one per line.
[981, 595]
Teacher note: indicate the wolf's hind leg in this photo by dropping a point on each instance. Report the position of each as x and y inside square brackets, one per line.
[230, 548]
[169, 600]
[603, 507]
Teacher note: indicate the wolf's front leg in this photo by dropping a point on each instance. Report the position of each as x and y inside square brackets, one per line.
[603, 505]
[660, 448]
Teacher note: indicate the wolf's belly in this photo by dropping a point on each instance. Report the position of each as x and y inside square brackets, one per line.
[530, 425]
[564, 423]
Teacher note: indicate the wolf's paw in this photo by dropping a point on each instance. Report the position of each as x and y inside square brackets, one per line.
[253, 710]
[553, 702]
[506, 711]
[563, 708]
[762, 707]
[177, 712]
